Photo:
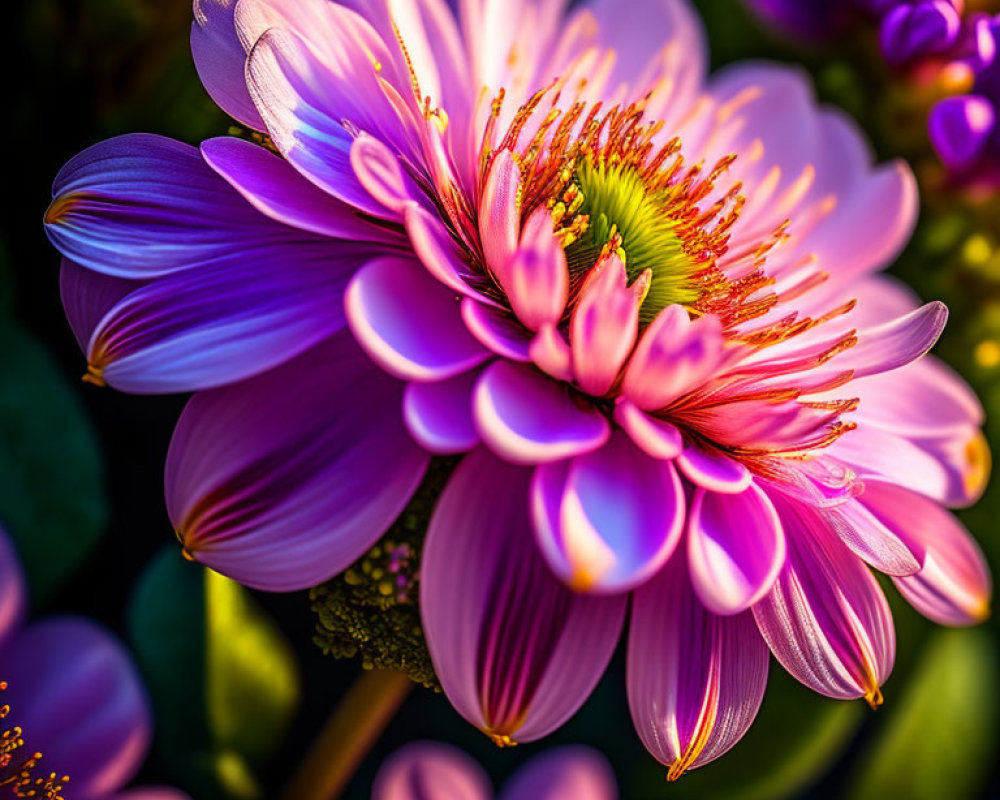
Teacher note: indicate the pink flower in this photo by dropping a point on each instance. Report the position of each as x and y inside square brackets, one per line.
[642, 301]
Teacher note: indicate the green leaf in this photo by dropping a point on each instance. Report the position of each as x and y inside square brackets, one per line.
[223, 680]
[940, 739]
[51, 474]
[794, 740]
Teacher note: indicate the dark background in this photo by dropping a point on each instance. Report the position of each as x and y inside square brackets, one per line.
[83, 70]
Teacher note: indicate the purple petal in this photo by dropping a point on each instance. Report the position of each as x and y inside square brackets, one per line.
[564, 773]
[221, 60]
[437, 251]
[919, 30]
[139, 206]
[76, 693]
[87, 296]
[960, 129]
[953, 587]
[431, 771]
[713, 470]
[695, 679]
[304, 100]
[270, 185]
[517, 652]
[736, 548]
[283, 480]
[657, 437]
[604, 325]
[408, 323]
[381, 174]
[825, 619]
[13, 590]
[235, 318]
[609, 519]
[674, 355]
[439, 415]
[527, 418]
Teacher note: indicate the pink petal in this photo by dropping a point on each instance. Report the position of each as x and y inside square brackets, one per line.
[537, 277]
[439, 414]
[713, 470]
[674, 355]
[408, 323]
[500, 213]
[430, 771]
[736, 548]
[867, 526]
[151, 793]
[695, 679]
[609, 519]
[953, 587]
[551, 352]
[564, 773]
[604, 325]
[13, 590]
[283, 480]
[825, 619]
[657, 437]
[380, 172]
[527, 418]
[437, 251]
[517, 652]
[221, 60]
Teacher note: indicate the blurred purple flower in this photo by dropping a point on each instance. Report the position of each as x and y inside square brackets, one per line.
[75, 697]
[435, 771]
[689, 384]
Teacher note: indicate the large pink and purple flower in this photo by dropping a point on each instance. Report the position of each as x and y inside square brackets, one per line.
[641, 301]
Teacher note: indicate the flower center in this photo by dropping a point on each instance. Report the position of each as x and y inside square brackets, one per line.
[17, 773]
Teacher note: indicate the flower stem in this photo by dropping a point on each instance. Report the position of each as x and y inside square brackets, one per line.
[353, 727]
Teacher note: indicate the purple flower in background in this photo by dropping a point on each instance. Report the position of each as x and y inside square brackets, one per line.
[643, 302]
[74, 697]
[435, 771]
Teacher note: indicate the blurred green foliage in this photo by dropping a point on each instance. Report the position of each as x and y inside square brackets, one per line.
[224, 682]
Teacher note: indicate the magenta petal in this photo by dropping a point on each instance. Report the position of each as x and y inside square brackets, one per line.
[439, 415]
[431, 771]
[564, 773]
[517, 652]
[826, 619]
[270, 185]
[437, 251]
[496, 329]
[408, 323]
[609, 519]
[736, 548]
[223, 322]
[527, 418]
[674, 355]
[953, 587]
[13, 591]
[76, 693]
[695, 679]
[657, 437]
[140, 205]
[221, 60]
[604, 325]
[283, 480]
[381, 174]
[713, 470]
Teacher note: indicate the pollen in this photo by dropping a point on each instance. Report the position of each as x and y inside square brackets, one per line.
[19, 774]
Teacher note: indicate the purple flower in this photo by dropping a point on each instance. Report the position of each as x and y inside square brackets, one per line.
[74, 697]
[494, 236]
[435, 771]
